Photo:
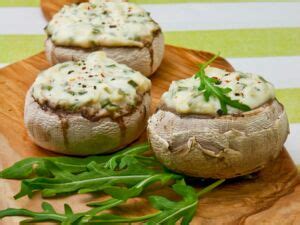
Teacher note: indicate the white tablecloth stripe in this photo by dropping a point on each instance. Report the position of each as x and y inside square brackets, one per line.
[283, 72]
[293, 142]
[2, 65]
[177, 17]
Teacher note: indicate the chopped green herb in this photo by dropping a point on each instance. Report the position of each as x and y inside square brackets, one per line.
[107, 104]
[132, 83]
[181, 88]
[121, 92]
[47, 87]
[111, 65]
[71, 93]
[82, 92]
[96, 31]
[263, 79]
[64, 65]
[243, 75]
[106, 89]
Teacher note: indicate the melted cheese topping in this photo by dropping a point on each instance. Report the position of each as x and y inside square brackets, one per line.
[250, 89]
[99, 23]
[98, 84]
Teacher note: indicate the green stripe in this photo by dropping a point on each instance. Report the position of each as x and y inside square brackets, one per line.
[14, 3]
[16, 47]
[17, 3]
[241, 43]
[231, 43]
[290, 99]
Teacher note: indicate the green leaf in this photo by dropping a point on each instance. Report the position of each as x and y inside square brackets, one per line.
[25, 190]
[47, 207]
[171, 212]
[122, 192]
[68, 210]
[24, 169]
[47, 215]
[38, 167]
[126, 157]
[114, 219]
[210, 87]
[126, 179]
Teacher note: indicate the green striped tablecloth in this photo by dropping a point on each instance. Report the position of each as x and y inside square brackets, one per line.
[257, 36]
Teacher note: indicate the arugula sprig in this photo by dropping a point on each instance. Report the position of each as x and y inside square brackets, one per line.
[43, 166]
[115, 175]
[96, 178]
[209, 86]
[184, 210]
[122, 159]
[169, 212]
[48, 214]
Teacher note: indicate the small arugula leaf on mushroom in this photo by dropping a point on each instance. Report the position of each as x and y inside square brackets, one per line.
[209, 86]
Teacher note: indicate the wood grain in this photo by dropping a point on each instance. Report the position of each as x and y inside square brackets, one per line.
[50, 7]
[237, 202]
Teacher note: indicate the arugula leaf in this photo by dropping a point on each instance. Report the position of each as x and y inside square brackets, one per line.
[32, 167]
[171, 211]
[184, 210]
[97, 179]
[119, 196]
[94, 176]
[114, 219]
[125, 158]
[117, 176]
[48, 214]
[210, 87]
[38, 167]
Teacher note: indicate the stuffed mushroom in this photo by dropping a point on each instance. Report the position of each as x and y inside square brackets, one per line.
[223, 125]
[123, 30]
[87, 107]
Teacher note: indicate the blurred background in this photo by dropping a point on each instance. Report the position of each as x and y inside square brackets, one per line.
[255, 36]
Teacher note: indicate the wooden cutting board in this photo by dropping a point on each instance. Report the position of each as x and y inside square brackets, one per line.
[272, 197]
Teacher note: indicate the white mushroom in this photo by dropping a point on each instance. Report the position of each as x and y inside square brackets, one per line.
[55, 124]
[212, 146]
[125, 32]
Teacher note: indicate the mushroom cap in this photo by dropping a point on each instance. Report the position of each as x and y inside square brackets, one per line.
[73, 134]
[221, 147]
[145, 60]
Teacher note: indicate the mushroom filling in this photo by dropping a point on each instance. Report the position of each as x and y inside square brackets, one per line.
[97, 86]
[98, 23]
[184, 96]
